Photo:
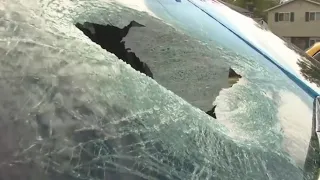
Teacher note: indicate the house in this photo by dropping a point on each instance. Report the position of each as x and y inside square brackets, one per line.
[246, 12]
[263, 24]
[297, 21]
[238, 9]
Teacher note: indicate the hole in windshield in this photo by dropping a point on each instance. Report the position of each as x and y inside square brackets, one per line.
[179, 63]
[110, 38]
[233, 77]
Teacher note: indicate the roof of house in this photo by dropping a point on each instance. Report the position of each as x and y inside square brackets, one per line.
[236, 8]
[257, 19]
[317, 2]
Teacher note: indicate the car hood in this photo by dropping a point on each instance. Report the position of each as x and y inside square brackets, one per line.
[71, 110]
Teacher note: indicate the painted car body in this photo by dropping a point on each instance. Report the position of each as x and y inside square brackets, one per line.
[314, 50]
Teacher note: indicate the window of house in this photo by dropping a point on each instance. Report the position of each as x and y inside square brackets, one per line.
[312, 16]
[312, 41]
[284, 16]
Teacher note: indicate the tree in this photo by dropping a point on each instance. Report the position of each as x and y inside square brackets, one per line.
[256, 6]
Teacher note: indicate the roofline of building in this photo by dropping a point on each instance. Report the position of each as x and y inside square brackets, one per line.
[288, 2]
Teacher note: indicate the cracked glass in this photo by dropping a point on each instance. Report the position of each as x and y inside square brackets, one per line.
[77, 108]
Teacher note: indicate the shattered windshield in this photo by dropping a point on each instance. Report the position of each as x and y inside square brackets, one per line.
[101, 89]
